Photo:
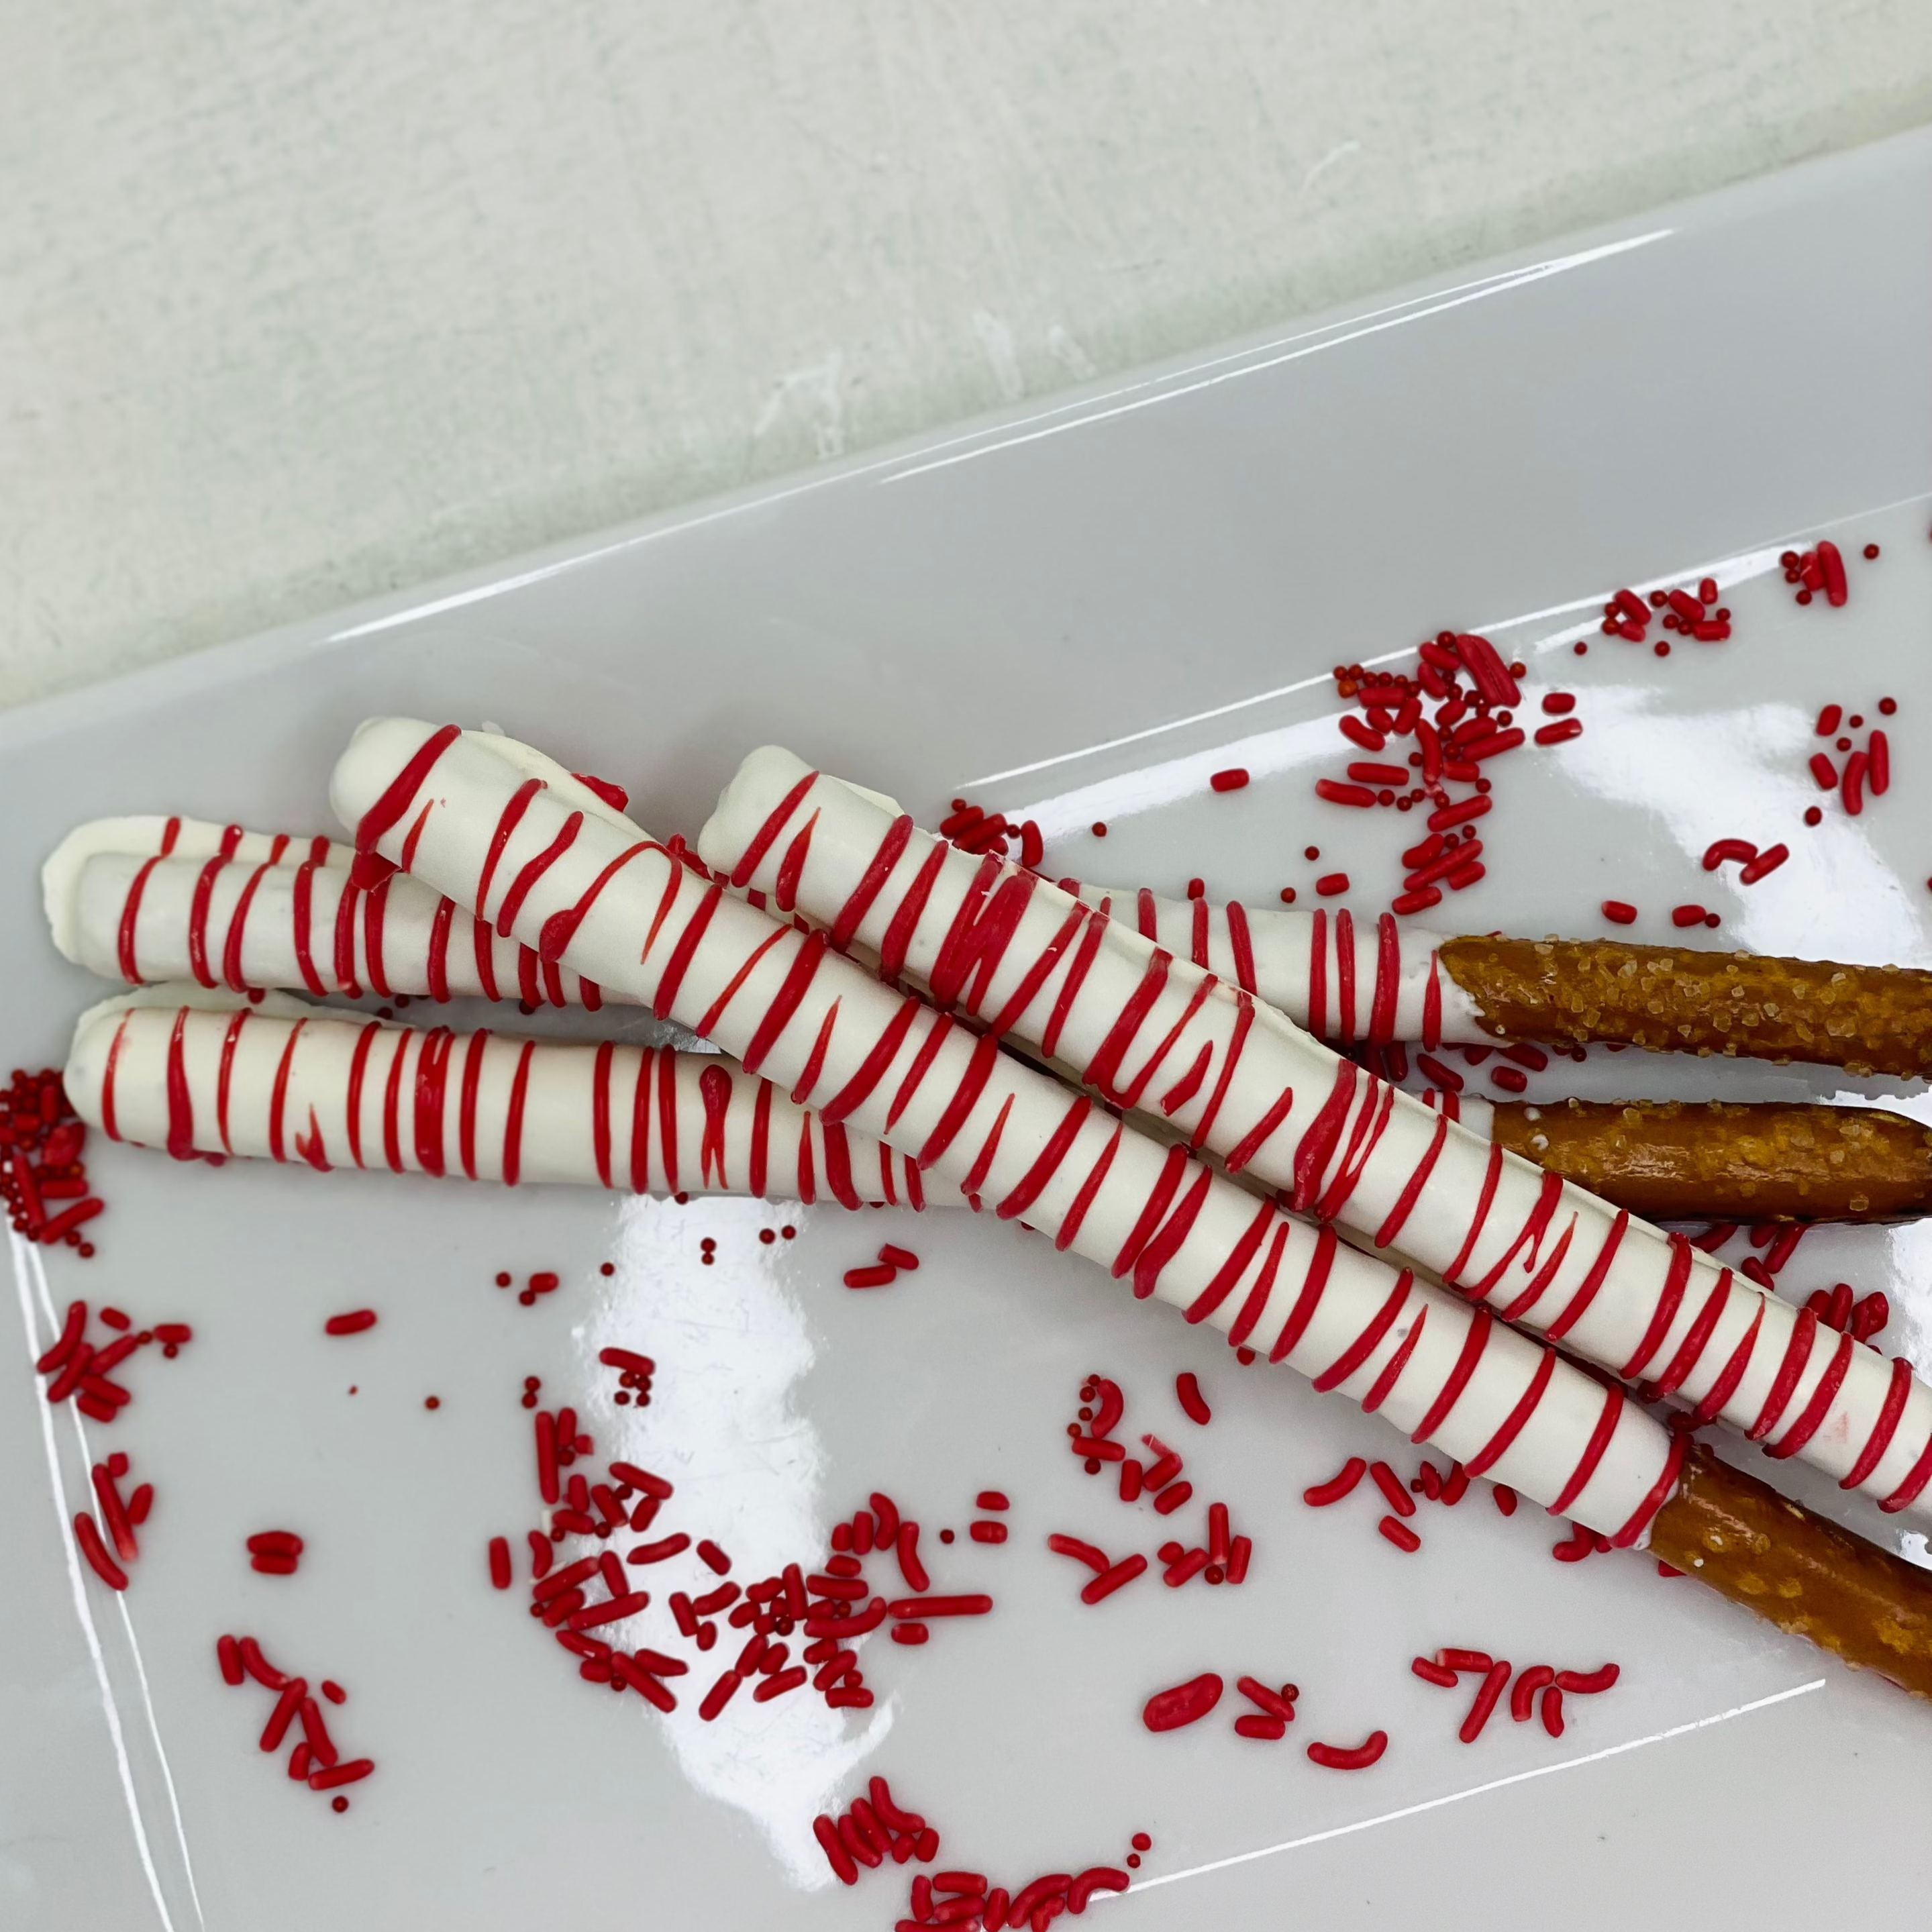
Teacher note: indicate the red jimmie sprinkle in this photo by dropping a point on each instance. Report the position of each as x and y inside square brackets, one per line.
[898, 1257]
[1560, 733]
[1185, 1704]
[1766, 863]
[1232, 779]
[1719, 850]
[1492, 1687]
[353, 1323]
[1688, 915]
[1187, 1389]
[1619, 912]
[1331, 883]
[1337, 793]
[1430, 1671]
[1337, 1487]
[1336, 1757]
[1400, 1535]
[882, 1275]
[1122, 1573]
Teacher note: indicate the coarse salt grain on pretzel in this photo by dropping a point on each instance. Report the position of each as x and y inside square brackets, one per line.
[152, 899]
[618, 907]
[1395, 981]
[192, 1072]
[1676, 1160]
[1150, 1032]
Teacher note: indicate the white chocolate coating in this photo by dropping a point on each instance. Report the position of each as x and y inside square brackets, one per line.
[1152, 1032]
[629, 914]
[219, 906]
[1299, 961]
[192, 1072]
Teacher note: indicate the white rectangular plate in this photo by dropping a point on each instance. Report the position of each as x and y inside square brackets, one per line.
[1081, 610]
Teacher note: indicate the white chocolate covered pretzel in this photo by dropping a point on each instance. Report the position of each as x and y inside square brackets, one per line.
[1148, 1031]
[616, 906]
[178, 1069]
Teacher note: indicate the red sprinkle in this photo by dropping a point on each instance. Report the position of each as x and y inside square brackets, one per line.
[1720, 850]
[1619, 912]
[1767, 862]
[88, 1535]
[1337, 793]
[1588, 1683]
[1187, 1389]
[1832, 564]
[871, 1277]
[1335, 1757]
[1185, 1704]
[898, 1257]
[1432, 1672]
[1337, 1487]
[1823, 771]
[1560, 733]
[1400, 1535]
[351, 1324]
[1108, 1581]
[1688, 915]
[992, 1499]
[1329, 883]
[1390, 1484]
[1486, 1702]
[1553, 1712]
[1559, 703]
[1232, 779]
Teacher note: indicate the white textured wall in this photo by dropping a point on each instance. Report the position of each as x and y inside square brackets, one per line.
[301, 300]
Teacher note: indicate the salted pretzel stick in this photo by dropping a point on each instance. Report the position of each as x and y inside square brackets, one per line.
[1149, 1032]
[1738, 1536]
[181, 1069]
[148, 899]
[1673, 1160]
[1564, 992]
[590, 888]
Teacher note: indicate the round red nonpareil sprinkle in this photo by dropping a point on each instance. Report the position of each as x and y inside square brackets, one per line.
[1184, 1704]
[1336, 1757]
[1399, 1533]
[1232, 779]
[353, 1323]
[1187, 1391]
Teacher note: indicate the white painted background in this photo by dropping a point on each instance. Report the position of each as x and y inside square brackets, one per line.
[302, 301]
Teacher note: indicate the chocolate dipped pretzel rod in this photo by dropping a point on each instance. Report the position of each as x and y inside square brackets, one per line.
[151, 899]
[1150, 1032]
[617, 906]
[178, 1069]
[1396, 981]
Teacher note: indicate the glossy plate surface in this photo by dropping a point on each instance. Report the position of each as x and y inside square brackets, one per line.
[1078, 613]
